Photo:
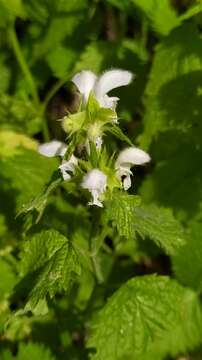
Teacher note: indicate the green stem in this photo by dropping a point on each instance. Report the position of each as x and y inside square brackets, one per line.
[22, 62]
[30, 80]
[45, 129]
[94, 244]
[52, 92]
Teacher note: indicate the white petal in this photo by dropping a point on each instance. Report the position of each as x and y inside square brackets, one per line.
[98, 142]
[65, 175]
[52, 148]
[68, 166]
[85, 81]
[133, 156]
[108, 102]
[110, 80]
[96, 201]
[95, 181]
[127, 182]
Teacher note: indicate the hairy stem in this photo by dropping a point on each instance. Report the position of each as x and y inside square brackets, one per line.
[94, 244]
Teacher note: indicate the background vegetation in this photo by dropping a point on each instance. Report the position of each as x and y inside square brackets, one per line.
[125, 311]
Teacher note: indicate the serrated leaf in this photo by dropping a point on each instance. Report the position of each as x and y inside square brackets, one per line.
[120, 210]
[39, 202]
[159, 225]
[52, 261]
[149, 221]
[187, 264]
[147, 316]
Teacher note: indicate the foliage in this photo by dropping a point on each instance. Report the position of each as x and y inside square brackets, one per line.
[129, 320]
[100, 258]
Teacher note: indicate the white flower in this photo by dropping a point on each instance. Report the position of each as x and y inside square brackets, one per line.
[68, 166]
[87, 81]
[98, 142]
[58, 148]
[95, 181]
[128, 158]
[52, 148]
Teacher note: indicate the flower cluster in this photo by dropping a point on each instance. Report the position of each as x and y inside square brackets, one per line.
[87, 128]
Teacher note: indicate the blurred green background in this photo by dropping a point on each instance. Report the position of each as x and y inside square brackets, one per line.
[43, 43]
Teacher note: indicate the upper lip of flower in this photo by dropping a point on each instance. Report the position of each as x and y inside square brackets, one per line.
[86, 81]
[132, 156]
[127, 158]
[52, 148]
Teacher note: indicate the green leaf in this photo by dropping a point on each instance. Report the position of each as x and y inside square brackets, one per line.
[173, 101]
[8, 280]
[172, 123]
[52, 262]
[18, 113]
[159, 225]
[187, 264]
[11, 143]
[120, 210]
[39, 203]
[192, 11]
[148, 317]
[13, 9]
[27, 173]
[149, 221]
[29, 351]
[61, 60]
[162, 16]
[177, 178]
